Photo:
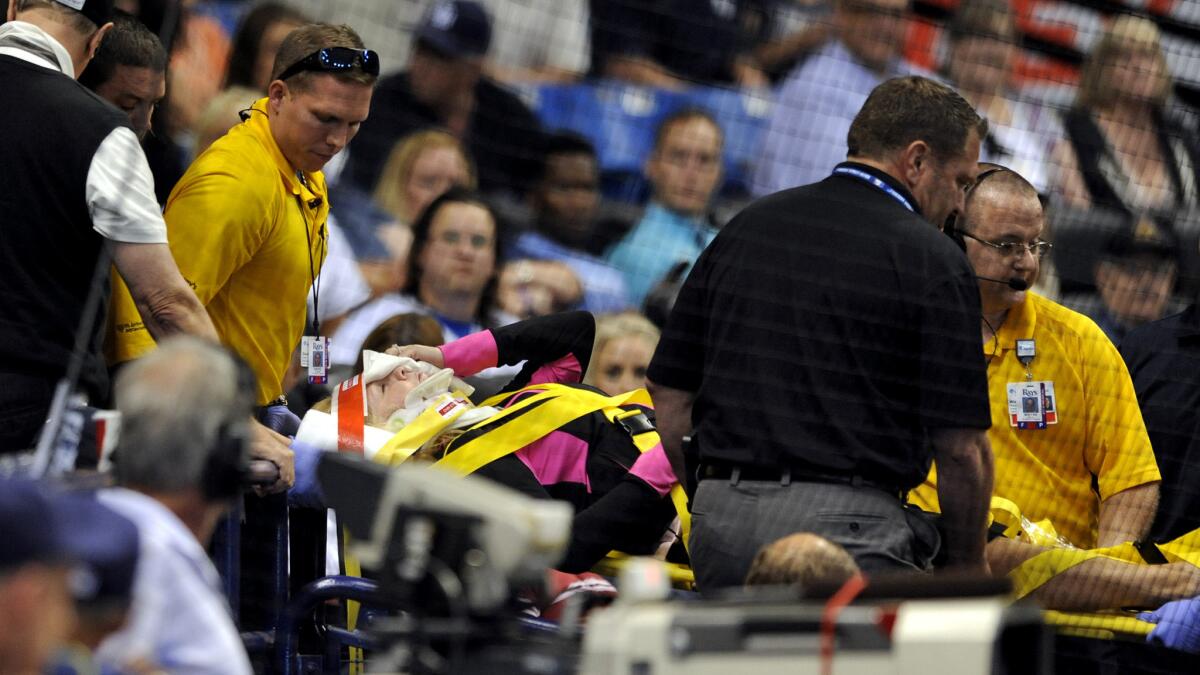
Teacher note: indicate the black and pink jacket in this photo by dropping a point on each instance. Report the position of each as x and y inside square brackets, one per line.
[620, 495]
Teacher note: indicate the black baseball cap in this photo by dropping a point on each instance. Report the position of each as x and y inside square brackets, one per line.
[456, 29]
[98, 12]
[1143, 237]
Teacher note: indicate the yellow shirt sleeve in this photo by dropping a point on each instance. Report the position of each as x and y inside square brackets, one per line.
[217, 218]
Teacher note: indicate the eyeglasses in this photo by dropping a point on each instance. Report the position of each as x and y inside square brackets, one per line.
[1012, 249]
[335, 60]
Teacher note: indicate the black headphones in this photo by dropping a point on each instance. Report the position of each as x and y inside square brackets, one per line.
[228, 463]
[951, 227]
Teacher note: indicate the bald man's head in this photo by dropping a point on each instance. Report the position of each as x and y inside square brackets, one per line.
[1002, 224]
[999, 185]
[805, 559]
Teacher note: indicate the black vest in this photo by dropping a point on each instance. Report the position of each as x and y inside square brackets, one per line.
[51, 127]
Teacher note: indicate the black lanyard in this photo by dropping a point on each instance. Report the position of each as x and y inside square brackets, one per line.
[312, 271]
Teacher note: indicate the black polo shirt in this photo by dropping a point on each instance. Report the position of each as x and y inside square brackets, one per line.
[828, 328]
[1164, 361]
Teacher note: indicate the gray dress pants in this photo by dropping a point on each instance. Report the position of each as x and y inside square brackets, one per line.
[732, 519]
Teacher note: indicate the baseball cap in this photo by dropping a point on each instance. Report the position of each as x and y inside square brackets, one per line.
[1143, 237]
[98, 12]
[28, 535]
[100, 545]
[456, 28]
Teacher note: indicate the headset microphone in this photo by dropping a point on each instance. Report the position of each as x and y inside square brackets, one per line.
[1014, 283]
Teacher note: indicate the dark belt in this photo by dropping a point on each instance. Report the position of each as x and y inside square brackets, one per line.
[787, 475]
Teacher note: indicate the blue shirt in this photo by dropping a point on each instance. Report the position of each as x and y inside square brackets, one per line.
[814, 107]
[603, 285]
[178, 620]
[657, 243]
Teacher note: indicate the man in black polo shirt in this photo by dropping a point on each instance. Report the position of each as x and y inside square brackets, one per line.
[825, 342]
[1164, 362]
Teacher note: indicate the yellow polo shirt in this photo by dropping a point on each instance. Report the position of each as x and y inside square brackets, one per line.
[1100, 435]
[238, 234]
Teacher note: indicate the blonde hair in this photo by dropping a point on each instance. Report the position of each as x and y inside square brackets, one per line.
[1128, 34]
[389, 187]
[609, 327]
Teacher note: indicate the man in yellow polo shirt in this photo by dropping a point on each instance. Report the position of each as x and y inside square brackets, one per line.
[1069, 442]
[246, 223]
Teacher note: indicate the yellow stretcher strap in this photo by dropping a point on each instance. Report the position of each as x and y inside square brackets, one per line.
[551, 406]
[1098, 625]
[1041, 568]
[353, 569]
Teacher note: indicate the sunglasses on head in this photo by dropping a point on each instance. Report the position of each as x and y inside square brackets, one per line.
[335, 60]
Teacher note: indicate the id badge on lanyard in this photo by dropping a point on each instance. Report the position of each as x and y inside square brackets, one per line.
[314, 356]
[1032, 403]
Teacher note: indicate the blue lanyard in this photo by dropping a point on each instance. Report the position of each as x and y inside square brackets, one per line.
[887, 189]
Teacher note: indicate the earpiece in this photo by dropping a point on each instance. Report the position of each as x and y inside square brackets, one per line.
[952, 231]
[244, 113]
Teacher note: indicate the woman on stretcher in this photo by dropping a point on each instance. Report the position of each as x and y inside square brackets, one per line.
[545, 434]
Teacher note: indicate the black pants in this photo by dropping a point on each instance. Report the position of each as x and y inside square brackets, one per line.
[24, 403]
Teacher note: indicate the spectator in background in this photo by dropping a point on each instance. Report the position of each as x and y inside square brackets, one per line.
[624, 345]
[803, 558]
[816, 103]
[684, 171]
[129, 71]
[1121, 151]
[1135, 277]
[797, 27]
[564, 202]
[36, 611]
[529, 288]
[679, 43]
[1164, 361]
[255, 44]
[181, 458]
[444, 87]
[451, 275]
[539, 40]
[982, 38]
[167, 158]
[419, 169]
[199, 57]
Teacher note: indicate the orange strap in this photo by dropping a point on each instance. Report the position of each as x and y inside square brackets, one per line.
[829, 616]
[348, 409]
